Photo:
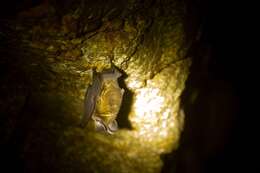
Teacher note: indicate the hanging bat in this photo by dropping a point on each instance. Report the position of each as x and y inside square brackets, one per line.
[103, 100]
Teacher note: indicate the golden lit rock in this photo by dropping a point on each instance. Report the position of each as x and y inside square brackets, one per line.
[147, 44]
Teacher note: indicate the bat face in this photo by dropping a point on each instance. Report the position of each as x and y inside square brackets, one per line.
[103, 101]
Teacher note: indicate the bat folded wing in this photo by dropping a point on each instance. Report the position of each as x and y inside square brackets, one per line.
[91, 96]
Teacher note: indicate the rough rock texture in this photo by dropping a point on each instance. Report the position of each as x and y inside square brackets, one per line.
[49, 54]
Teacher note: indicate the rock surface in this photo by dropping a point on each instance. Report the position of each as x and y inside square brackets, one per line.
[47, 67]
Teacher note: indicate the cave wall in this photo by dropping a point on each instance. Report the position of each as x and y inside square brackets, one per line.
[49, 52]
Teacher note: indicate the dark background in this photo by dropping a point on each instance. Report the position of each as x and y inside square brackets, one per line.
[224, 72]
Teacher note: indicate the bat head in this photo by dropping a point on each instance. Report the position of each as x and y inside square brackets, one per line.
[117, 73]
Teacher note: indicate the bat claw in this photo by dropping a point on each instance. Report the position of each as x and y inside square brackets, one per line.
[100, 127]
[112, 127]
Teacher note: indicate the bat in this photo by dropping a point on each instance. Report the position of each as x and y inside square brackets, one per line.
[92, 95]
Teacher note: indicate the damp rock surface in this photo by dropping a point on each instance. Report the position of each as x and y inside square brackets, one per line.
[48, 58]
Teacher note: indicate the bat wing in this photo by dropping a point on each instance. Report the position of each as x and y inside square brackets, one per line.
[91, 97]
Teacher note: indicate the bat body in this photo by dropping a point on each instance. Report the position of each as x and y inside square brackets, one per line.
[103, 100]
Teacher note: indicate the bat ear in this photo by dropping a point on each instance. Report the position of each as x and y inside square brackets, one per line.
[117, 73]
[115, 70]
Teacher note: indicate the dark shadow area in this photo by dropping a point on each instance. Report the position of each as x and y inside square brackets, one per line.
[127, 102]
[27, 142]
[11, 7]
[12, 145]
[32, 145]
[169, 162]
[215, 99]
